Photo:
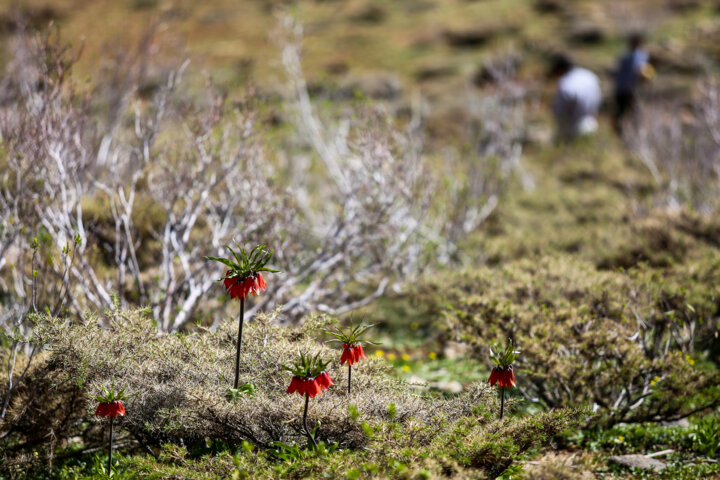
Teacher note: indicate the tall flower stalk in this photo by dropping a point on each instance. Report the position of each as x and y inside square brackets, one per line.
[243, 278]
[503, 373]
[110, 405]
[352, 349]
[310, 378]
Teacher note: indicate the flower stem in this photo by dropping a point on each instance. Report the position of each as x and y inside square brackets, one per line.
[502, 402]
[349, 377]
[109, 467]
[307, 431]
[239, 342]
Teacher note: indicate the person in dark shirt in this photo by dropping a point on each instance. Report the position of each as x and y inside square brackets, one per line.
[633, 67]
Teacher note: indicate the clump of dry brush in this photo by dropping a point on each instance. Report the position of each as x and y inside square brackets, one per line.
[153, 180]
[680, 146]
[179, 387]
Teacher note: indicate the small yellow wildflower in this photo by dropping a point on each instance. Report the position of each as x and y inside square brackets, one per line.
[432, 355]
[406, 368]
[689, 360]
[405, 357]
[414, 325]
[654, 380]
[621, 438]
[379, 353]
[391, 356]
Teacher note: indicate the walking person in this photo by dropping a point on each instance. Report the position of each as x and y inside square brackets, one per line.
[633, 68]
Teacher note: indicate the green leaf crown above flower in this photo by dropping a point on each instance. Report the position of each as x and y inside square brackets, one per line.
[351, 335]
[306, 366]
[506, 357]
[111, 395]
[246, 264]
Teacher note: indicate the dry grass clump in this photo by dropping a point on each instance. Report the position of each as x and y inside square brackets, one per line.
[625, 343]
[182, 381]
[559, 466]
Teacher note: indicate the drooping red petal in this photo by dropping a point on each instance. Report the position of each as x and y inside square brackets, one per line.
[261, 281]
[228, 281]
[493, 377]
[305, 387]
[347, 355]
[312, 388]
[511, 377]
[294, 385]
[361, 352]
[355, 353]
[324, 380]
[116, 408]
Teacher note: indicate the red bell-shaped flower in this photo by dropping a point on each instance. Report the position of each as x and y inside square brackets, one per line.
[110, 409]
[238, 287]
[359, 353]
[313, 388]
[348, 355]
[296, 385]
[503, 376]
[324, 380]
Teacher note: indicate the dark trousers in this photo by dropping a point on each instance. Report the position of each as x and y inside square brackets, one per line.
[624, 104]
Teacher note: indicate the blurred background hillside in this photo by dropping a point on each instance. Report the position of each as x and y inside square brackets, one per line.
[395, 51]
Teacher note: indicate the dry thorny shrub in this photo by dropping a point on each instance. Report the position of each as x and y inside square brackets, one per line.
[182, 381]
[623, 343]
[680, 146]
[163, 177]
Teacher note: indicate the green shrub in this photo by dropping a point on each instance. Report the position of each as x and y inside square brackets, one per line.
[623, 342]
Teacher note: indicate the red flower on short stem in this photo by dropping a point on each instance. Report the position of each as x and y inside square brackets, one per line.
[352, 349]
[503, 374]
[111, 405]
[310, 378]
[243, 278]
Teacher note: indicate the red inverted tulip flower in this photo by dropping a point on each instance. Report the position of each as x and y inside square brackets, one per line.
[242, 279]
[324, 380]
[348, 355]
[503, 374]
[352, 349]
[111, 405]
[309, 380]
[110, 409]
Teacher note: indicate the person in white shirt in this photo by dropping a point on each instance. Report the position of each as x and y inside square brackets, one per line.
[577, 99]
